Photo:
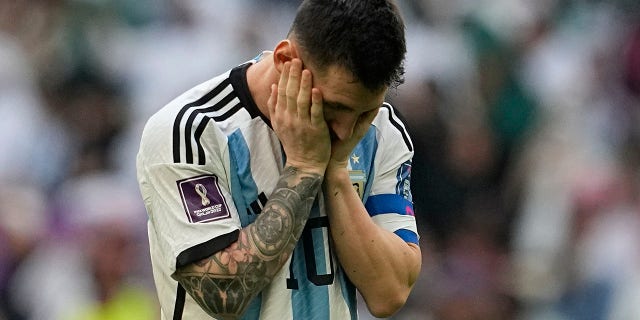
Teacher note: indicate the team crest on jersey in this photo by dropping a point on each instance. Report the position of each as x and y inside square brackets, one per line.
[202, 199]
[358, 179]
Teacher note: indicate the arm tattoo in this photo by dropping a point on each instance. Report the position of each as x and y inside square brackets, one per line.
[225, 283]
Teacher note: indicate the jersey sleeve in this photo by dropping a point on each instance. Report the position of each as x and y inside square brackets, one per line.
[191, 214]
[390, 201]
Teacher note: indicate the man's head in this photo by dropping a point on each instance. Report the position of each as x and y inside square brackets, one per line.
[355, 51]
[364, 37]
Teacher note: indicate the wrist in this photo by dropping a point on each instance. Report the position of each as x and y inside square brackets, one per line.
[337, 164]
[337, 172]
[317, 169]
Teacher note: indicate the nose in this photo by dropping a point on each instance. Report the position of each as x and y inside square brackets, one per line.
[343, 127]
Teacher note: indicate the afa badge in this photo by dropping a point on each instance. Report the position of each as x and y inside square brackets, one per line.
[202, 199]
[358, 179]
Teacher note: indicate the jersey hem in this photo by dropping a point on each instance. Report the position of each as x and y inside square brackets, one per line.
[205, 249]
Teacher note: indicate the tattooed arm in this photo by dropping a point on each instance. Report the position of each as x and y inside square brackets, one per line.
[224, 283]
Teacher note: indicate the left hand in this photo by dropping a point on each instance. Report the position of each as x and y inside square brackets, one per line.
[341, 149]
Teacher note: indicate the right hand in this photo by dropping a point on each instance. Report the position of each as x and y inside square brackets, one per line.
[295, 110]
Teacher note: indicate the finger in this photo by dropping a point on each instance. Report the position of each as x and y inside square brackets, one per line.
[282, 85]
[304, 96]
[273, 99]
[316, 110]
[293, 86]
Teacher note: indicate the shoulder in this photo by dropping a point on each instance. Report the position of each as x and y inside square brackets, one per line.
[390, 126]
[166, 132]
[198, 96]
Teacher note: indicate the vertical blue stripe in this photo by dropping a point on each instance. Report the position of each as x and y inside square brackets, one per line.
[319, 246]
[366, 152]
[236, 192]
[309, 301]
[243, 187]
[253, 311]
[243, 191]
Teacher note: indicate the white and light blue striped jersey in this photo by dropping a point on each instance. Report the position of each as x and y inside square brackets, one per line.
[207, 164]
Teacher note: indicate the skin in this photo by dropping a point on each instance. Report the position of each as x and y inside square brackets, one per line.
[319, 115]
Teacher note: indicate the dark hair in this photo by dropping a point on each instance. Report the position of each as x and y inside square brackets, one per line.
[364, 36]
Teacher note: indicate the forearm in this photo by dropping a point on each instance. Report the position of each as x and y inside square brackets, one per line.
[380, 264]
[225, 283]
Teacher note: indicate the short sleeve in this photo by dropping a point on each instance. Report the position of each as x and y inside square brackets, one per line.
[390, 202]
[191, 213]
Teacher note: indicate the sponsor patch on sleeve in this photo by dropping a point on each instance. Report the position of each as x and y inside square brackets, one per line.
[202, 199]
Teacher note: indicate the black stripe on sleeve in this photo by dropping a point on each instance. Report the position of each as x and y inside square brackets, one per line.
[200, 129]
[395, 122]
[229, 113]
[201, 101]
[187, 128]
[198, 134]
[205, 249]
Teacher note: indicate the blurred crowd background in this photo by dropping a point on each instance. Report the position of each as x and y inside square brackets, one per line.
[524, 114]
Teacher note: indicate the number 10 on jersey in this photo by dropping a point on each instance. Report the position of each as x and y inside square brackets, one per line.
[317, 254]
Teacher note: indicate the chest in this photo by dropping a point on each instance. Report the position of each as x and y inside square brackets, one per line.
[257, 160]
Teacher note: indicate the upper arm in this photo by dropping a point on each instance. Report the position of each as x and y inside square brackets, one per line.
[390, 201]
[190, 207]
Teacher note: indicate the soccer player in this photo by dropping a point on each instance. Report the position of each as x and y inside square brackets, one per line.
[249, 179]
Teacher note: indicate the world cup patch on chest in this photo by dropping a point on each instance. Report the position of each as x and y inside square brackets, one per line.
[202, 199]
